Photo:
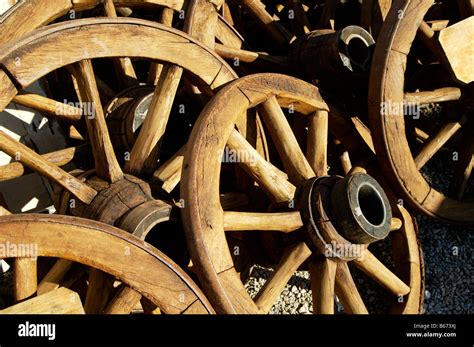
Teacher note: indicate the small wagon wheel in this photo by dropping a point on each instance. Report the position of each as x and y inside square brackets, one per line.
[299, 207]
[151, 274]
[404, 38]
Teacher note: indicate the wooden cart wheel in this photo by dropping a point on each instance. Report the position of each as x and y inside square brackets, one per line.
[299, 206]
[405, 42]
[138, 267]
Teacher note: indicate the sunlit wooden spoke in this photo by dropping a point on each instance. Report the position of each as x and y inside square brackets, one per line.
[25, 278]
[343, 157]
[433, 96]
[267, 22]
[37, 163]
[428, 37]
[282, 221]
[323, 274]
[347, 291]
[369, 264]
[316, 150]
[125, 71]
[4, 211]
[58, 158]
[156, 120]
[169, 173]
[291, 260]
[396, 224]
[106, 164]
[154, 73]
[268, 176]
[123, 301]
[435, 142]
[52, 107]
[59, 301]
[295, 162]
[98, 291]
[463, 169]
[55, 276]
[249, 56]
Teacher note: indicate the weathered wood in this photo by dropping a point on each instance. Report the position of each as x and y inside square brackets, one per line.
[58, 301]
[123, 301]
[106, 164]
[52, 107]
[437, 95]
[25, 278]
[37, 163]
[323, 275]
[284, 221]
[54, 277]
[169, 173]
[316, 150]
[347, 291]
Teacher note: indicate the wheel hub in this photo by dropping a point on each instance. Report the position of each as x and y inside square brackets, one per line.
[343, 215]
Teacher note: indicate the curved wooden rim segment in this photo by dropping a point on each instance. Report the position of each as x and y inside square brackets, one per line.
[387, 85]
[157, 42]
[111, 250]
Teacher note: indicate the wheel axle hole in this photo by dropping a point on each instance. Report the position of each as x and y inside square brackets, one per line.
[357, 50]
[371, 204]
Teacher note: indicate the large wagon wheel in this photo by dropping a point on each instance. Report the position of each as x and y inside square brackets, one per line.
[138, 267]
[299, 206]
[108, 194]
[408, 45]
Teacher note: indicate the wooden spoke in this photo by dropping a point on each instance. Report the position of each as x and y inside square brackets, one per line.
[435, 142]
[52, 107]
[55, 276]
[156, 120]
[59, 301]
[428, 37]
[381, 274]
[323, 275]
[170, 172]
[463, 169]
[25, 278]
[284, 221]
[126, 73]
[268, 176]
[249, 56]
[276, 31]
[396, 224]
[291, 260]
[4, 211]
[98, 291]
[166, 18]
[124, 301]
[285, 141]
[437, 95]
[347, 292]
[58, 158]
[37, 163]
[344, 157]
[106, 164]
[316, 150]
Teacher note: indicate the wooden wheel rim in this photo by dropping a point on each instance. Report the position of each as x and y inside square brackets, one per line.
[83, 241]
[387, 84]
[203, 214]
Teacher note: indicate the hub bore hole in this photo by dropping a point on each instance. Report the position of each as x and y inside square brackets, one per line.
[357, 50]
[371, 204]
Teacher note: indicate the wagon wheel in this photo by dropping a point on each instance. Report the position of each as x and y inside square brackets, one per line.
[108, 194]
[404, 40]
[98, 246]
[299, 206]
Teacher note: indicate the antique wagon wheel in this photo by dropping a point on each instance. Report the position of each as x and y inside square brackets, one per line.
[108, 194]
[99, 246]
[299, 206]
[404, 44]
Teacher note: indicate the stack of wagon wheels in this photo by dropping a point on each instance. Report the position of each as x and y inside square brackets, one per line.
[207, 138]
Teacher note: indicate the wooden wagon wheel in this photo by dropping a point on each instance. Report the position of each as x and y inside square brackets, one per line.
[97, 246]
[403, 40]
[299, 206]
[108, 194]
